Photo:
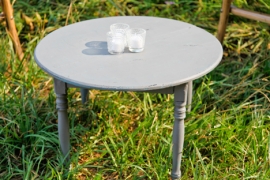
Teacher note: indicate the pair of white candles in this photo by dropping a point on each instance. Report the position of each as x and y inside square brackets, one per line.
[134, 42]
[121, 36]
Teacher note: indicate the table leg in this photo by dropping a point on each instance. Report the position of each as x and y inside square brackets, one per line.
[63, 124]
[84, 95]
[180, 98]
[189, 100]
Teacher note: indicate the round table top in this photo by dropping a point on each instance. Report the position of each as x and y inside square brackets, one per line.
[175, 53]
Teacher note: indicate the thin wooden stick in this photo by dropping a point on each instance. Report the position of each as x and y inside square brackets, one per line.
[223, 19]
[12, 31]
[69, 11]
[250, 14]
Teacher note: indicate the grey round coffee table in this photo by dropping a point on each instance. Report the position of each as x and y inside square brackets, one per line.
[175, 54]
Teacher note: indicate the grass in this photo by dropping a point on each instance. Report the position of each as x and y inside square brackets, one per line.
[127, 135]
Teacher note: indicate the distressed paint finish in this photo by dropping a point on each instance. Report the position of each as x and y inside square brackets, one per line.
[175, 54]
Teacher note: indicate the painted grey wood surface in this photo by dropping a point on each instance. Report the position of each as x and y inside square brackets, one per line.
[189, 95]
[60, 89]
[180, 100]
[175, 53]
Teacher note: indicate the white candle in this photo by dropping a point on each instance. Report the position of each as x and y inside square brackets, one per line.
[118, 33]
[136, 42]
[121, 33]
[117, 45]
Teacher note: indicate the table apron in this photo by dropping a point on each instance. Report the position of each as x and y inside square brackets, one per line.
[169, 90]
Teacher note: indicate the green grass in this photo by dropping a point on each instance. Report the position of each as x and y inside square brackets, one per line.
[126, 135]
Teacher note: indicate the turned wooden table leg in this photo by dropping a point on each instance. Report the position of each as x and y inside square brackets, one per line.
[63, 124]
[180, 98]
[189, 100]
[84, 95]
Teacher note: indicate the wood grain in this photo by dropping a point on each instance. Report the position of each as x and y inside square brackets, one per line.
[12, 31]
